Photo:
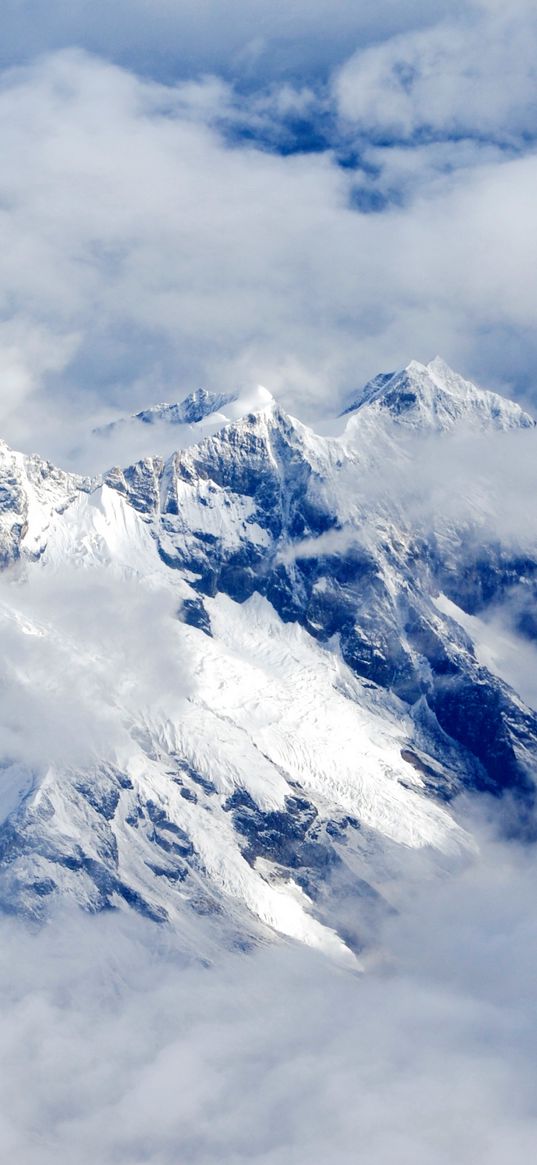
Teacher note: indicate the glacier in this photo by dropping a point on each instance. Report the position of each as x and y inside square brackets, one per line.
[244, 673]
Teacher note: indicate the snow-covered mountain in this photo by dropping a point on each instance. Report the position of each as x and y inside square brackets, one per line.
[432, 396]
[164, 428]
[236, 679]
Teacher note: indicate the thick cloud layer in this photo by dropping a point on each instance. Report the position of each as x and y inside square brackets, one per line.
[114, 1049]
[304, 233]
[471, 75]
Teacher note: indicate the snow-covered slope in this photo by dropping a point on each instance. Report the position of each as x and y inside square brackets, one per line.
[231, 686]
[32, 491]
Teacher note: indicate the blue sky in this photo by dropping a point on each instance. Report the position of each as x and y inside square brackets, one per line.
[221, 193]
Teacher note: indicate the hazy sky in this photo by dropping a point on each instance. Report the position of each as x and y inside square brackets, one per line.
[220, 193]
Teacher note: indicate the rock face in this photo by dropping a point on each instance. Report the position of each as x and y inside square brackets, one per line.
[332, 709]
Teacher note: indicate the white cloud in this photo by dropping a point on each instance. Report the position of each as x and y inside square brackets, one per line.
[481, 484]
[28, 352]
[472, 74]
[114, 1049]
[71, 645]
[497, 645]
[176, 259]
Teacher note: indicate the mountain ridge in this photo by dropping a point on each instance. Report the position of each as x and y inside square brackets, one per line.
[434, 396]
[285, 587]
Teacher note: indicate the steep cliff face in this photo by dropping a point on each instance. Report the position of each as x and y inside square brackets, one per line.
[293, 704]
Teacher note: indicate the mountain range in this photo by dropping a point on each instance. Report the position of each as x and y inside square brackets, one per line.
[248, 678]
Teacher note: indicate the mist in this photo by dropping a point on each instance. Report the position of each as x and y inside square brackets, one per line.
[84, 653]
[117, 1048]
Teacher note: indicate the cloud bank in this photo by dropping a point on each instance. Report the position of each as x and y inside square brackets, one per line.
[471, 74]
[117, 1050]
[165, 232]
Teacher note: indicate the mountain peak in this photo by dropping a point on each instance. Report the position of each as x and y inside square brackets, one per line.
[192, 409]
[439, 367]
[197, 406]
[162, 429]
[434, 397]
